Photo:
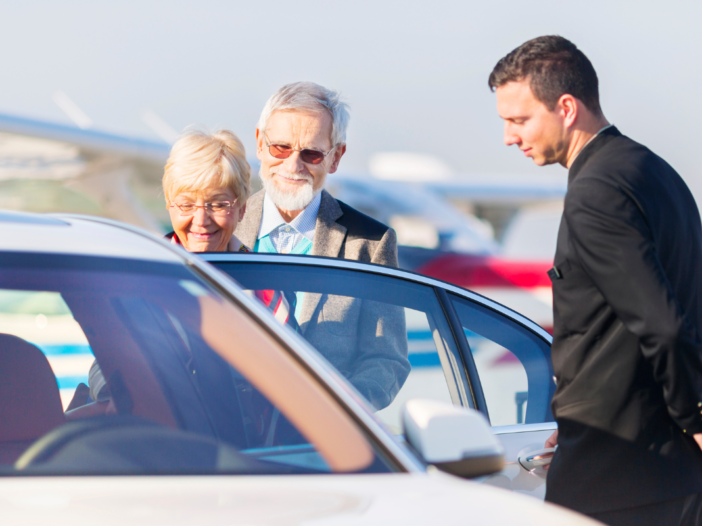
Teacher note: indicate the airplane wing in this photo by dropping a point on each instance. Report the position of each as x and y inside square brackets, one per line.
[96, 142]
[52, 167]
[433, 174]
[500, 188]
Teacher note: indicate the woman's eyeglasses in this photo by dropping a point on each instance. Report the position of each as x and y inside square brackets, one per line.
[281, 151]
[216, 208]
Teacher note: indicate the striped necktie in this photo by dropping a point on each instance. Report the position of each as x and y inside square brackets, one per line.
[282, 306]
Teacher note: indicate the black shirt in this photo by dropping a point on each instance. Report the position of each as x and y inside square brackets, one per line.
[627, 351]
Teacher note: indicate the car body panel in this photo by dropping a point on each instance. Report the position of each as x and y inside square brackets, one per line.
[336, 499]
[519, 441]
[76, 235]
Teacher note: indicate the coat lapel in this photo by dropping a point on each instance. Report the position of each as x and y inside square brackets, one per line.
[328, 239]
[328, 234]
[247, 229]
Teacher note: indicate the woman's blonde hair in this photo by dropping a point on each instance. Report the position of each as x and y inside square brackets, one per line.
[200, 160]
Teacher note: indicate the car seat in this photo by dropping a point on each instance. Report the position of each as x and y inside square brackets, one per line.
[30, 403]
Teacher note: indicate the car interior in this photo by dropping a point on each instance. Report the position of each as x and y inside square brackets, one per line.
[174, 404]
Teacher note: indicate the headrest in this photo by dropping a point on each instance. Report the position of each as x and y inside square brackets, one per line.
[30, 403]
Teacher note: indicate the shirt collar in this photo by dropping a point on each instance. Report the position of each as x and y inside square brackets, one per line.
[590, 140]
[305, 223]
[603, 138]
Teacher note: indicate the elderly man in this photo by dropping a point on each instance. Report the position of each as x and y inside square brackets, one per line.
[301, 137]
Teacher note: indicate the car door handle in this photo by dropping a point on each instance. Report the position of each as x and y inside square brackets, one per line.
[536, 459]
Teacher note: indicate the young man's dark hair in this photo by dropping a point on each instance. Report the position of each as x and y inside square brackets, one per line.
[554, 67]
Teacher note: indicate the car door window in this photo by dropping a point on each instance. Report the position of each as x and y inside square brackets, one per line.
[43, 319]
[426, 378]
[388, 337]
[192, 384]
[512, 362]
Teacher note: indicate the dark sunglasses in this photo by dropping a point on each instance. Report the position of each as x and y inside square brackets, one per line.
[281, 151]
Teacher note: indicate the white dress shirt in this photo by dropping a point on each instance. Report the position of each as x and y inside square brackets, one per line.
[286, 236]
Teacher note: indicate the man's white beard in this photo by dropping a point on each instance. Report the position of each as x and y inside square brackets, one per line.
[291, 200]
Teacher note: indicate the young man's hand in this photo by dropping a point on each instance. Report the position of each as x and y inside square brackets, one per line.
[697, 437]
[552, 441]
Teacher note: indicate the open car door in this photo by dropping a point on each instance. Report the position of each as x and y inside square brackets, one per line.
[396, 335]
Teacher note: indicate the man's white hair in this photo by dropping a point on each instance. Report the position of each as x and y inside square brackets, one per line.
[308, 96]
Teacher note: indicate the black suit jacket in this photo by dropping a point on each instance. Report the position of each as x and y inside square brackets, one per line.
[627, 348]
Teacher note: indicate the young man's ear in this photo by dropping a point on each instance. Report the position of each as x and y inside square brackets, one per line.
[569, 108]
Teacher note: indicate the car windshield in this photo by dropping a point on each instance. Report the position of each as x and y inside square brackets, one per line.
[118, 366]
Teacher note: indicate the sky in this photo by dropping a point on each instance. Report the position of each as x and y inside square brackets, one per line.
[414, 72]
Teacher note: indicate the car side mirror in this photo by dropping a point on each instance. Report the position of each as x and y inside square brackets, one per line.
[454, 439]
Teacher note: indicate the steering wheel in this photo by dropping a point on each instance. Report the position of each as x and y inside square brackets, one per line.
[128, 445]
[45, 448]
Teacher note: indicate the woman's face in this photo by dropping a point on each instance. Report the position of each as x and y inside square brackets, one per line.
[205, 231]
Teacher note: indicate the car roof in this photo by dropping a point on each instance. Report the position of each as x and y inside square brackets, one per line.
[80, 235]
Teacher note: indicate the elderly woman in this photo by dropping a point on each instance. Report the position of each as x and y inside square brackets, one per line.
[206, 183]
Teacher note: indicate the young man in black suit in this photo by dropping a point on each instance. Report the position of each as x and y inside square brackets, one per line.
[627, 298]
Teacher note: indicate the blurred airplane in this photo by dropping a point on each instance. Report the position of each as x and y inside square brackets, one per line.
[492, 234]
[440, 240]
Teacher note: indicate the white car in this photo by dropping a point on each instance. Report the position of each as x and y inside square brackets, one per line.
[211, 412]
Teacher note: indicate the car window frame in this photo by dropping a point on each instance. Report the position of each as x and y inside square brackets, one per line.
[550, 388]
[441, 289]
[443, 338]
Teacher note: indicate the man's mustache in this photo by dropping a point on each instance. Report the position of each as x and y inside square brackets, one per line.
[294, 176]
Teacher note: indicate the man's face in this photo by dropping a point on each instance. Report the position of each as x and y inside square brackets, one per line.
[538, 132]
[290, 179]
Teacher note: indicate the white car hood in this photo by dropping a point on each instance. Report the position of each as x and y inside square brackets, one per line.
[337, 500]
